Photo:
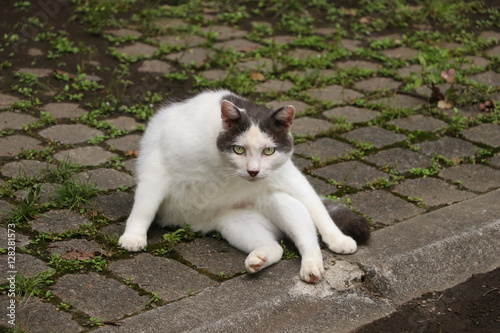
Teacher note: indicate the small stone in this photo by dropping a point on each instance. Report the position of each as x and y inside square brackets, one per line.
[478, 178]
[64, 110]
[485, 133]
[26, 168]
[98, 296]
[58, 221]
[324, 148]
[419, 123]
[377, 136]
[115, 205]
[432, 191]
[354, 174]
[155, 66]
[70, 134]
[310, 126]
[12, 145]
[169, 278]
[14, 121]
[214, 255]
[105, 179]
[89, 155]
[351, 114]
[384, 207]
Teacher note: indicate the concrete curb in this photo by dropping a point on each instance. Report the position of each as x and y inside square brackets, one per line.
[433, 251]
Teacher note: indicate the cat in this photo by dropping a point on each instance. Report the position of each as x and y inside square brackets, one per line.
[219, 162]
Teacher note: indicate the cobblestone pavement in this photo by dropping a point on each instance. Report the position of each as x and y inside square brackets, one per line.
[79, 82]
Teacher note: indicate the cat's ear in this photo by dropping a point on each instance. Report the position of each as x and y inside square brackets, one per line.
[285, 115]
[229, 114]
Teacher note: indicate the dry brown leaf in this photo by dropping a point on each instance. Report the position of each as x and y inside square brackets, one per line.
[366, 20]
[78, 255]
[134, 153]
[444, 104]
[257, 76]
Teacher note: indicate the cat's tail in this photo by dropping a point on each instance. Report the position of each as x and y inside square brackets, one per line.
[350, 223]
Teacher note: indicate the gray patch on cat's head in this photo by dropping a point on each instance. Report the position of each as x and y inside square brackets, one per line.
[273, 123]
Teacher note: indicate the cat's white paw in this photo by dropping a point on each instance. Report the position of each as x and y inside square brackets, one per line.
[311, 270]
[342, 245]
[255, 262]
[133, 243]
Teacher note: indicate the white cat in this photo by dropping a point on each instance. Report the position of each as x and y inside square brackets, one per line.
[220, 162]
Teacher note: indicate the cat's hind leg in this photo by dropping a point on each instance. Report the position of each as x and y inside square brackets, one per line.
[252, 233]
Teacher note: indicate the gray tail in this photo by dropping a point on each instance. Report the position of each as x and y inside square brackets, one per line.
[350, 223]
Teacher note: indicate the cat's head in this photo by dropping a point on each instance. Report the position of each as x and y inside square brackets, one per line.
[254, 139]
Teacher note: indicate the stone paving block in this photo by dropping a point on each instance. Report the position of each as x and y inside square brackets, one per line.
[25, 265]
[80, 245]
[38, 72]
[166, 23]
[259, 65]
[197, 56]
[123, 32]
[384, 207]
[281, 40]
[324, 148]
[58, 221]
[311, 126]
[402, 52]
[180, 40]
[495, 160]
[64, 110]
[409, 70]
[137, 49]
[48, 192]
[350, 173]
[377, 83]
[238, 45]
[485, 133]
[400, 159]
[301, 163]
[115, 205]
[214, 74]
[169, 278]
[305, 54]
[299, 106]
[350, 44]
[12, 145]
[5, 209]
[105, 179]
[478, 178]
[274, 85]
[226, 32]
[377, 136]
[155, 66]
[321, 187]
[70, 133]
[130, 165]
[7, 100]
[14, 121]
[399, 101]
[213, 255]
[32, 315]
[35, 52]
[26, 168]
[155, 232]
[88, 155]
[99, 296]
[351, 114]
[432, 191]
[494, 52]
[448, 147]
[124, 123]
[126, 143]
[419, 123]
[489, 78]
[490, 35]
[19, 239]
[475, 61]
[359, 64]
[335, 94]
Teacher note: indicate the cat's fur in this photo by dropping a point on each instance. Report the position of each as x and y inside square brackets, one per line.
[190, 172]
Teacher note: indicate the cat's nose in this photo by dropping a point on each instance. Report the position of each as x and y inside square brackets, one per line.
[253, 173]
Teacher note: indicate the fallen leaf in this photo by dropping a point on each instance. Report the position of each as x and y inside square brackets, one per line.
[449, 75]
[366, 20]
[456, 160]
[71, 76]
[257, 76]
[78, 255]
[134, 153]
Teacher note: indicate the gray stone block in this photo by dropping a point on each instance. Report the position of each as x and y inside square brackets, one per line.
[26, 168]
[64, 110]
[478, 178]
[70, 133]
[377, 136]
[114, 206]
[488, 134]
[88, 155]
[105, 179]
[351, 114]
[419, 123]
[126, 143]
[12, 145]
[400, 159]
[334, 94]
[310, 126]
[98, 296]
[169, 278]
[14, 121]
[351, 173]
[377, 84]
[80, 245]
[58, 221]
[448, 147]
[324, 148]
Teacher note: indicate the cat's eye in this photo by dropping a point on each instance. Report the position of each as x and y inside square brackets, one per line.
[238, 149]
[269, 150]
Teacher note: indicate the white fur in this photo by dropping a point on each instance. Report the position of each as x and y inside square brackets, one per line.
[184, 177]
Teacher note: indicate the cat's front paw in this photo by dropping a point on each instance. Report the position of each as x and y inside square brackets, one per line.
[133, 243]
[342, 245]
[311, 270]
